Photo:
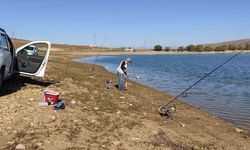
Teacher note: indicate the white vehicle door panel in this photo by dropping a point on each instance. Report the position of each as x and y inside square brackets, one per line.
[33, 64]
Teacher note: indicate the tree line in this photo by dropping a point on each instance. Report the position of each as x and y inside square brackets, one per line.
[202, 48]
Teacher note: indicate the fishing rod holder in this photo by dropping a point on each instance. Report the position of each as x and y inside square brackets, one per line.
[167, 111]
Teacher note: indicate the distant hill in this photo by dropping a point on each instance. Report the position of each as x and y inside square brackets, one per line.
[55, 47]
[235, 42]
[19, 42]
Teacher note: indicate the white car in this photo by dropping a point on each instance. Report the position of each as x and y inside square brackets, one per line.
[31, 50]
[22, 61]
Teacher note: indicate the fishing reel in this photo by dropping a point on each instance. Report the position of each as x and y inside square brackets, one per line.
[167, 111]
[108, 84]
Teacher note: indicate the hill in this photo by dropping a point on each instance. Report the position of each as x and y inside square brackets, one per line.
[55, 47]
[235, 42]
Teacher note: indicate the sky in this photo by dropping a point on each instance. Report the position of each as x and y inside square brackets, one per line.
[123, 23]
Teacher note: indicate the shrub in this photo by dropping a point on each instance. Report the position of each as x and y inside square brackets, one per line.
[190, 48]
[167, 48]
[181, 48]
[247, 46]
[208, 48]
[157, 48]
[232, 47]
[221, 48]
[199, 48]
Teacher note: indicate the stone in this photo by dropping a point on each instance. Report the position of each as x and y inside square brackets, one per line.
[155, 132]
[11, 142]
[47, 142]
[116, 143]
[12, 106]
[85, 90]
[31, 131]
[238, 130]
[9, 128]
[76, 120]
[92, 77]
[118, 112]
[122, 97]
[73, 102]
[196, 147]
[96, 108]
[34, 141]
[135, 139]
[39, 144]
[20, 146]
[53, 118]
[182, 125]
[14, 131]
[32, 124]
[93, 121]
[31, 99]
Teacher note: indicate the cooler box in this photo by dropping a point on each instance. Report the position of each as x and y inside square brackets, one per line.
[51, 96]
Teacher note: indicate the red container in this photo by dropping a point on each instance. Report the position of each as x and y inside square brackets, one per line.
[51, 96]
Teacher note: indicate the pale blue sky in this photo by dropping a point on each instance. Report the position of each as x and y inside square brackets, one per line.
[127, 22]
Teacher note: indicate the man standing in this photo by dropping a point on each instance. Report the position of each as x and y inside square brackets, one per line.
[122, 73]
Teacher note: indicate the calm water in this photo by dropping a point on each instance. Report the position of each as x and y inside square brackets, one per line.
[226, 93]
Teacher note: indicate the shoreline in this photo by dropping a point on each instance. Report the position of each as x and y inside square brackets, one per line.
[182, 100]
[78, 54]
[97, 118]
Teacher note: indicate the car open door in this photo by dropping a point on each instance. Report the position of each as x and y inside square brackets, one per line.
[32, 58]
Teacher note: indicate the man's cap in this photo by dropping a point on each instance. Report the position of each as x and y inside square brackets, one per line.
[128, 59]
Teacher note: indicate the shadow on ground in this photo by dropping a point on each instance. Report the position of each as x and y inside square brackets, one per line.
[16, 83]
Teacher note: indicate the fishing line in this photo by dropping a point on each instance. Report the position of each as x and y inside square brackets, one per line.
[225, 62]
[136, 75]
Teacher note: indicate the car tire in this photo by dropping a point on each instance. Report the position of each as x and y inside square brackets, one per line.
[1, 79]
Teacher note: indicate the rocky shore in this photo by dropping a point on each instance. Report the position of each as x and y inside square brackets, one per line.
[100, 118]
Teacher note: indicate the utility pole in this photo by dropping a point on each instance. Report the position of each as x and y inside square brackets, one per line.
[94, 39]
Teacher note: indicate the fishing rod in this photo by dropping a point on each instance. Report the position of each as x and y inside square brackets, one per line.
[104, 41]
[166, 108]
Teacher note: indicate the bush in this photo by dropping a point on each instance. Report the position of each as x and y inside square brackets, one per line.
[199, 48]
[240, 47]
[247, 46]
[157, 48]
[208, 48]
[224, 47]
[167, 48]
[232, 47]
[221, 48]
[181, 48]
[190, 48]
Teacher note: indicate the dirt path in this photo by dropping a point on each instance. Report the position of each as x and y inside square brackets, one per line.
[95, 118]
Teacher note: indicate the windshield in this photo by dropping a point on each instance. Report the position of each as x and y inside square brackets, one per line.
[29, 48]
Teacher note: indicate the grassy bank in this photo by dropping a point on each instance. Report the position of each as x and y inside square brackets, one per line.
[96, 118]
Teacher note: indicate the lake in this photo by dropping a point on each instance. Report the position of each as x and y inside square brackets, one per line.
[225, 93]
